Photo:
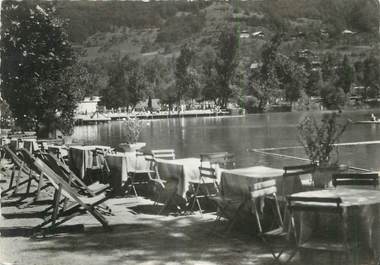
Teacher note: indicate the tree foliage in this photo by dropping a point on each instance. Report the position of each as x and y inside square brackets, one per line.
[35, 53]
[126, 85]
[345, 75]
[183, 76]
[225, 64]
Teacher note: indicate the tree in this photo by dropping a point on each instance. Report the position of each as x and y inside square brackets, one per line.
[208, 73]
[292, 77]
[264, 89]
[328, 66]
[281, 75]
[135, 81]
[35, 51]
[371, 76]
[345, 75]
[157, 74]
[225, 64]
[72, 83]
[115, 95]
[126, 85]
[313, 81]
[183, 80]
[332, 97]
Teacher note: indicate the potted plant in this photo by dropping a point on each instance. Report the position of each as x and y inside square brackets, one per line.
[134, 127]
[318, 140]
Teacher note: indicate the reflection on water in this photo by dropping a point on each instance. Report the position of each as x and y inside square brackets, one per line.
[192, 136]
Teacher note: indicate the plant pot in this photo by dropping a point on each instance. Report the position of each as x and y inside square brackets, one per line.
[322, 176]
[67, 139]
[131, 147]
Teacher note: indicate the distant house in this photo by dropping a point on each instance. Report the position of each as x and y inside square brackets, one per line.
[254, 65]
[316, 65]
[357, 90]
[244, 34]
[305, 53]
[258, 34]
[347, 32]
[88, 105]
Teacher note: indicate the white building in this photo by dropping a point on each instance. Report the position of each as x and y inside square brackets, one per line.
[244, 34]
[88, 105]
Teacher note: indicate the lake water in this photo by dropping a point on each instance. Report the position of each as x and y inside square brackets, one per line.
[192, 136]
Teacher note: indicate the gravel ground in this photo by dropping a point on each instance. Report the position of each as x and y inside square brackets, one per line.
[138, 236]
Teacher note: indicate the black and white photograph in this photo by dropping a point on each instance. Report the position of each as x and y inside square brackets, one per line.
[189, 132]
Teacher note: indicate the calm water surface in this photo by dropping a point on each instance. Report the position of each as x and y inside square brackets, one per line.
[192, 136]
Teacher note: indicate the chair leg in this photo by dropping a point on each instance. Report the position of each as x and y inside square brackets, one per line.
[196, 199]
[12, 178]
[39, 187]
[57, 196]
[18, 178]
[29, 182]
[133, 184]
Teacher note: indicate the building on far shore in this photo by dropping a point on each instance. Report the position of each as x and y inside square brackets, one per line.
[88, 105]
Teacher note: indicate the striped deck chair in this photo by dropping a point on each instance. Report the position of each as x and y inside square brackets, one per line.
[62, 188]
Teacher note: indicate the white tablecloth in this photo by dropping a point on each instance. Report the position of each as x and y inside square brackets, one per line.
[236, 182]
[81, 158]
[122, 163]
[184, 170]
[362, 208]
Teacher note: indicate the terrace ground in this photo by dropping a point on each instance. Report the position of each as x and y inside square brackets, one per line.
[139, 236]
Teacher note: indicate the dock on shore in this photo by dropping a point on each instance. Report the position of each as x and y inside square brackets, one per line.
[106, 117]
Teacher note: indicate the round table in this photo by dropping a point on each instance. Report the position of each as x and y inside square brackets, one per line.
[362, 210]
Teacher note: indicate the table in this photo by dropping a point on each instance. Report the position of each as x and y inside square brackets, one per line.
[62, 150]
[236, 182]
[184, 170]
[120, 164]
[81, 158]
[362, 207]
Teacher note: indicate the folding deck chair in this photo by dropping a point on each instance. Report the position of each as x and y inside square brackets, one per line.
[62, 188]
[67, 174]
[19, 167]
[75, 182]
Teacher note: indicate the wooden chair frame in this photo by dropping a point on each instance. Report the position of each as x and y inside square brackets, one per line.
[134, 173]
[222, 159]
[355, 179]
[62, 188]
[19, 167]
[161, 184]
[330, 205]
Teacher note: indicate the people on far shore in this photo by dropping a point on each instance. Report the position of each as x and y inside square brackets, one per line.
[373, 117]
